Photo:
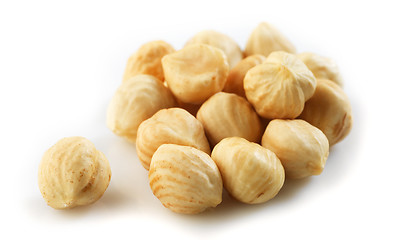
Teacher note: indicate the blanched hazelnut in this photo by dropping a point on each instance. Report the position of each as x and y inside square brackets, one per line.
[228, 115]
[235, 78]
[73, 173]
[173, 125]
[279, 87]
[136, 100]
[195, 72]
[266, 39]
[221, 41]
[147, 60]
[302, 148]
[321, 67]
[251, 174]
[185, 179]
[329, 110]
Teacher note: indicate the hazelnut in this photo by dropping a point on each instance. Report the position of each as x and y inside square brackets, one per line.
[266, 39]
[195, 72]
[221, 41]
[73, 173]
[251, 173]
[185, 179]
[302, 148]
[228, 115]
[173, 125]
[147, 60]
[136, 100]
[235, 78]
[278, 87]
[321, 67]
[329, 110]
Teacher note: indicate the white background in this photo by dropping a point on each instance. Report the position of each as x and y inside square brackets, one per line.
[61, 62]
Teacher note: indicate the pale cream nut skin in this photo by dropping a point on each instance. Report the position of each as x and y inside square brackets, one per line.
[195, 72]
[302, 148]
[251, 173]
[185, 179]
[279, 87]
[73, 173]
[219, 40]
[266, 39]
[173, 125]
[136, 100]
[228, 115]
[329, 110]
[147, 60]
[236, 75]
[321, 67]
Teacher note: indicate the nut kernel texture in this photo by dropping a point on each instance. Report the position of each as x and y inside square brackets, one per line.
[173, 125]
[73, 173]
[302, 148]
[228, 115]
[147, 60]
[321, 67]
[221, 41]
[329, 110]
[251, 173]
[236, 75]
[185, 179]
[195, 72]
[136, 100]
[279, 87]
[266, 39]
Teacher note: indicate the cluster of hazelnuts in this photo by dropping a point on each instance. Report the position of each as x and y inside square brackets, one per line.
[210, 116]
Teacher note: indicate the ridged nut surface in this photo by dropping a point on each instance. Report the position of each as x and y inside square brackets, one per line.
[228, 115]
[266, 39]
[195, 72]
[136, 100]
[321, 67]
[173, 125]
[302, 148]
[329, 110]
[251, 174]
[147, 60]
[236, 75]
[279, 87]
[221, 41]
[73, 173]
[185, 179]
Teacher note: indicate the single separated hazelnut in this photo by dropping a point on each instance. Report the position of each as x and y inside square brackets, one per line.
[251, 173]
[228, 115]
[147, 60]
[221, 41]
[266, 39]
[185, 179]
[321, 67]
[173, 125]
[329, 110]
[235, 78]
[195, 72]
[73, 173]
[136, 100]
[279, 87]
[302, 148]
